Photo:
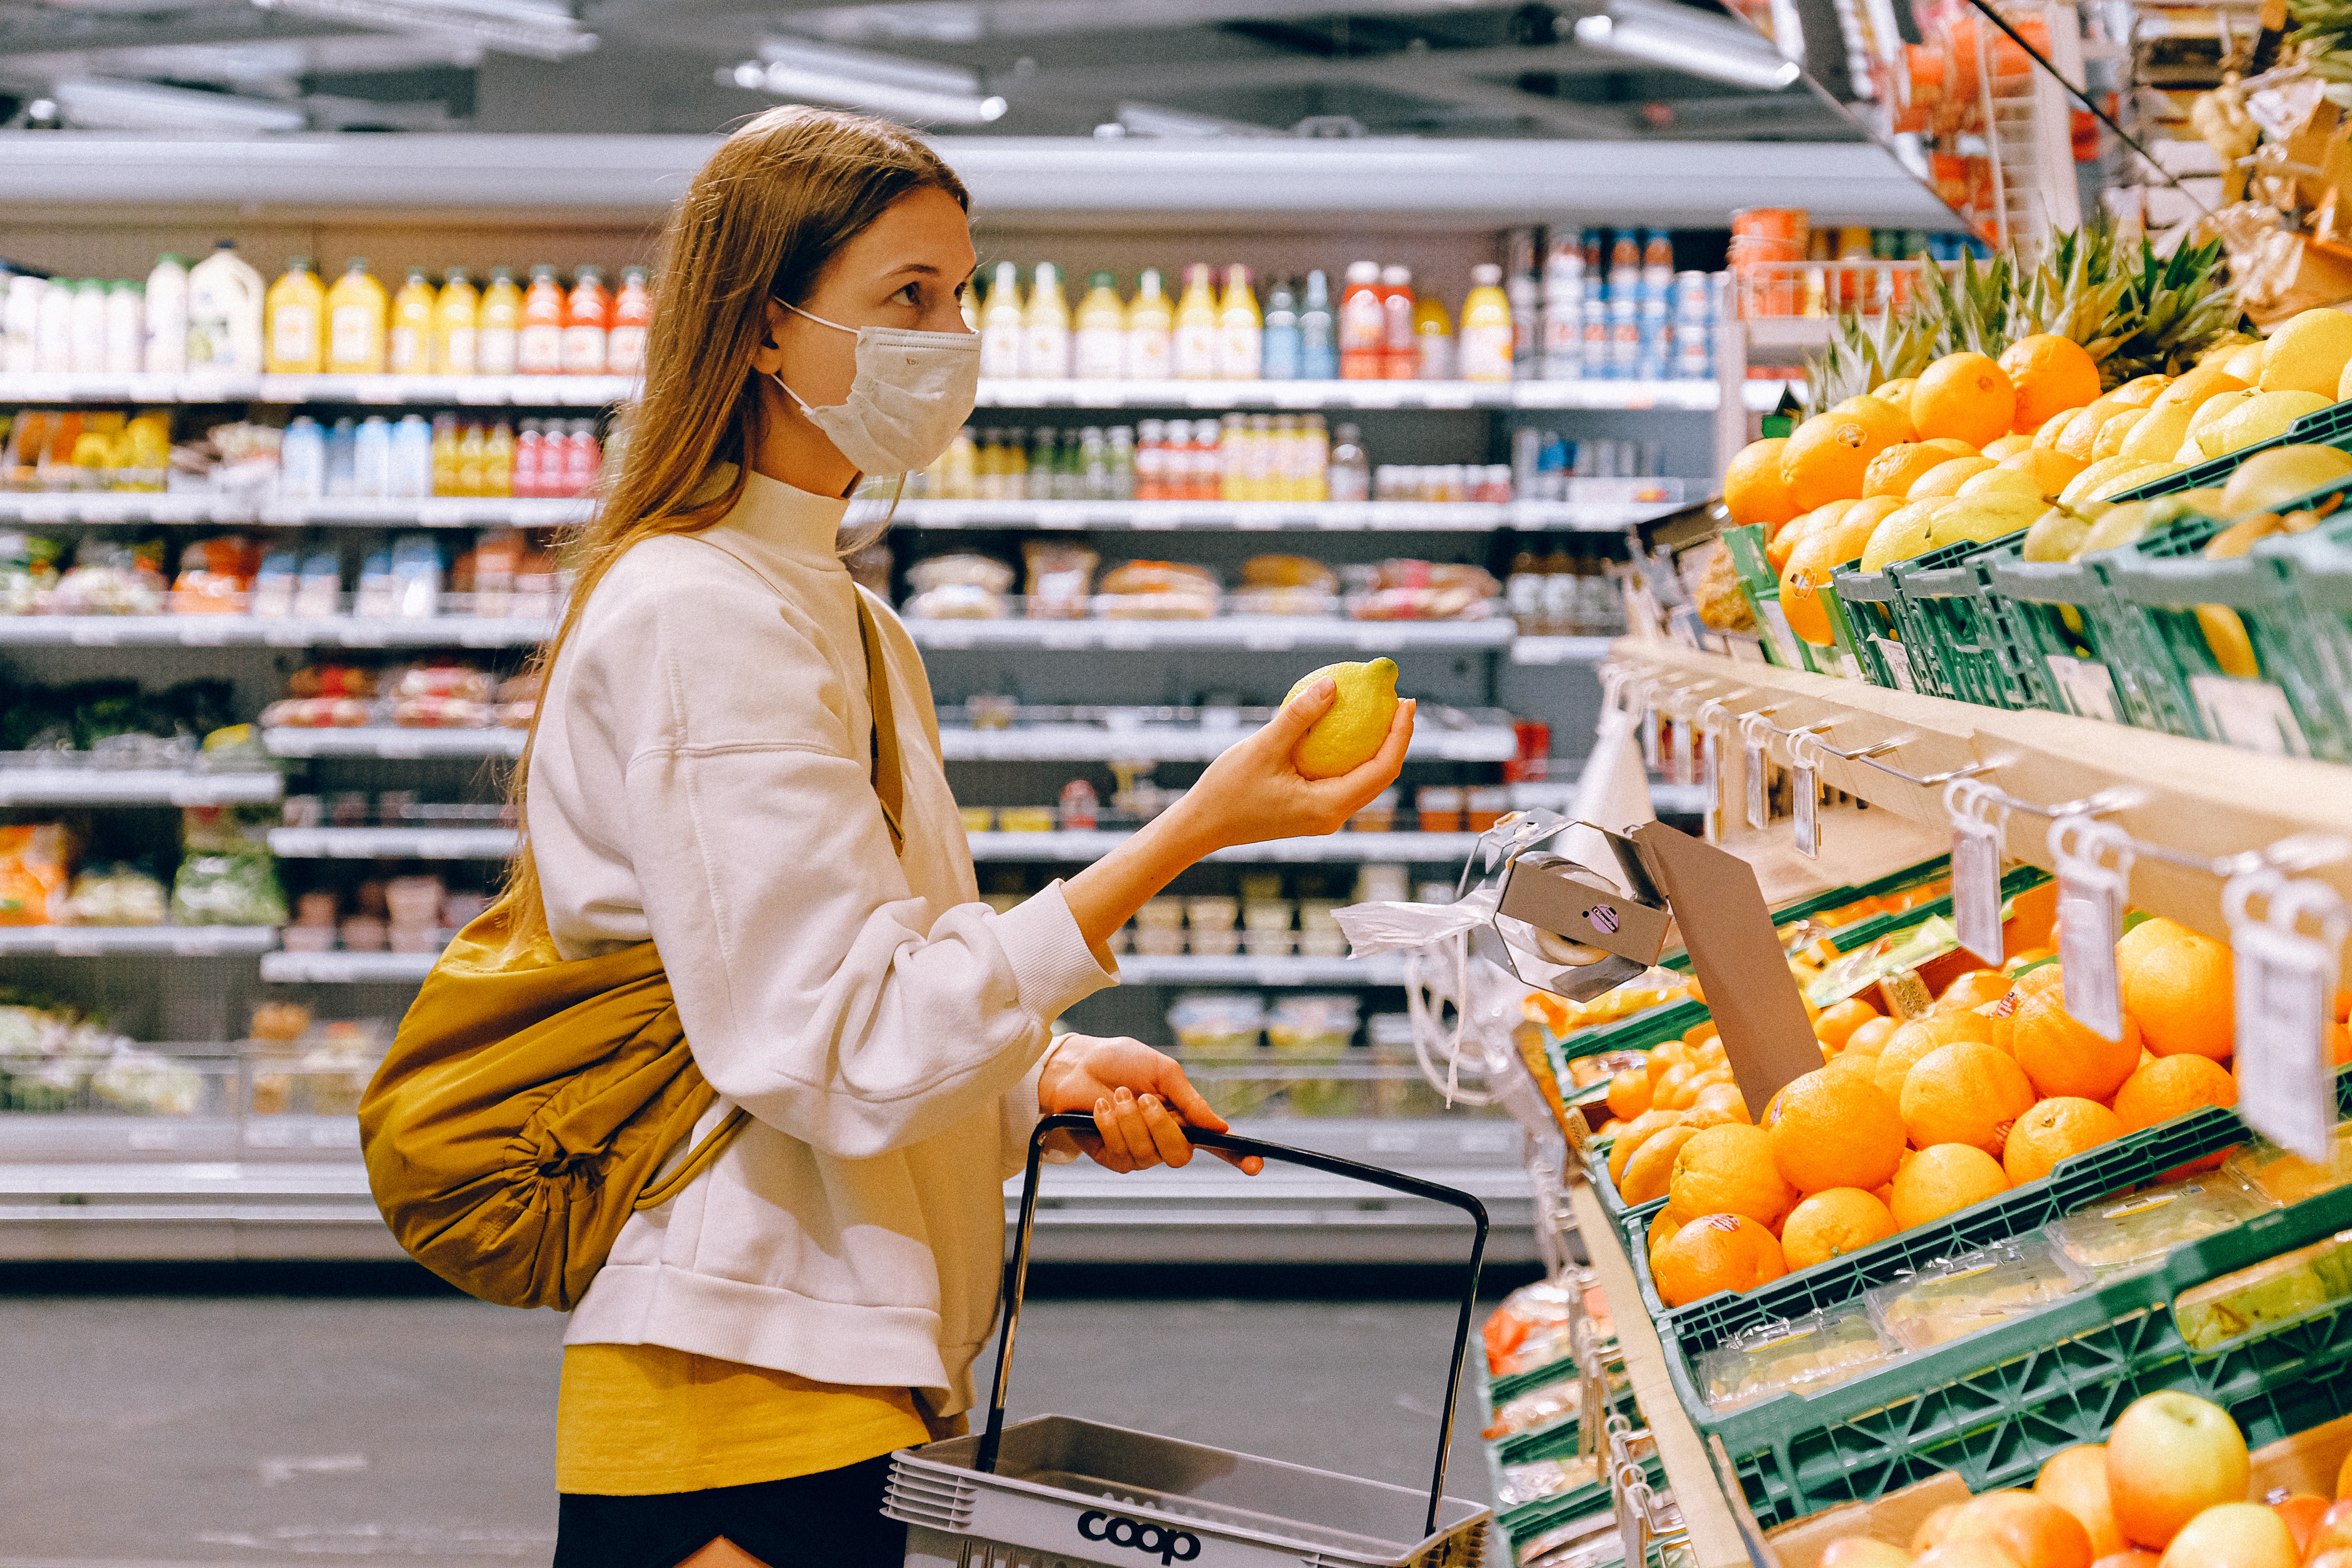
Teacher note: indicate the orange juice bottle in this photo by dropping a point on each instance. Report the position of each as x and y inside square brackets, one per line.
[539, 349]
[1195, 347]
[296, 310]
[1241, 330]
[357, 308]
[1486, 348]
[456, 326]
[410, 350]
[497, 460]
[633, 312]
[587, 317]
[470, 451]
[499, 342]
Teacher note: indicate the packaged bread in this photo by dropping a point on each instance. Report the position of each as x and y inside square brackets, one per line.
[1158, 590]
[1288, 572]
[961, 586]
[1060, 577]
[1412, 590]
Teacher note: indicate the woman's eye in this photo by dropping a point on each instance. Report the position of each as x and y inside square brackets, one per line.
[912, 294]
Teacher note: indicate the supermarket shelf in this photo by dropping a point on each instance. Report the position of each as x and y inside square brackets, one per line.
[100, 941]
[136, 787]
[1351, 517]
[1183, 744]
[376, 741]
[391, 843]
[52, 508]
[1693, 396]
[347, 968]
[397, 968]
[1560, 650]
[254, 631]
[440, 390]
[2198, 797]
[1411, 848]
[1257, 633]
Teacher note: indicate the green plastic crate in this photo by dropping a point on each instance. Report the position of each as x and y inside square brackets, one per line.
[2067, 619]
[1947, 610]
[2329, 426]
[1864, 607]
[1995, 1405]
[1747, 545]
[2317, 642]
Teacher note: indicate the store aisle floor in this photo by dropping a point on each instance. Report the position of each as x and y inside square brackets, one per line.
[262, 1431]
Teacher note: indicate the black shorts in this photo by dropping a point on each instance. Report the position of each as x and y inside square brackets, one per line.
[833, 1518]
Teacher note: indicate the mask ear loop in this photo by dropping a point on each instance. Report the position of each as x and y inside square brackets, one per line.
[777, 375]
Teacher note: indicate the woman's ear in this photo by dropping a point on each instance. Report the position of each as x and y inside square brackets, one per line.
[769, 357]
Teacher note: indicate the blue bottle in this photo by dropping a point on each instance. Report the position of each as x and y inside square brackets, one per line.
[1279, 359]
[1318, 347]
[302, 461]
[342, 451]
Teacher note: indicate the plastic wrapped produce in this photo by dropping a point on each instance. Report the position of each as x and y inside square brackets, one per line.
[1973, 1290]
[1541, 1478]
[34, 859]
[110, 577]
[2258, 1298]
[227, 888]
[147, 1084]
[2123, 1236]
[116, 895]
[442, 696]
[1799, 1356]
[1217, 1021]
[2285, 1178]
[217, 577]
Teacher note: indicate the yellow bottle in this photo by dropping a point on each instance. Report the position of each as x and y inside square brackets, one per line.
[296, 310]
[1197, 320]
[1433, 334]
[357, 307]
[499, 341]
[497, 460]
[1241, 331]
[1002, 324]
[1100, 347]
[454, 322]
[1150, 330]
[471, 448]
[1484, 347]
[410, 349]
[445, 453]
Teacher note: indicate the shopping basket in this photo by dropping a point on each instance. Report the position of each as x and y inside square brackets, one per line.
[1058, 1492]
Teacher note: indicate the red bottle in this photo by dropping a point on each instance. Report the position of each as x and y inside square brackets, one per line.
[539, 344]
[632, 312]
[585, 456]
[529, 447]
[587, 316]
[1400, 348]
[1364, 324]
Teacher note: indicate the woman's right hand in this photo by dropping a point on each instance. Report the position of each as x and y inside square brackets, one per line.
[1254, 792]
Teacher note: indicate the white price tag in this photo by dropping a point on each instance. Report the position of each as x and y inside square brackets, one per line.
[1897, 663]
[1751, 756]
[1679, 759]
[1650, 739]
[2091, 899]
[1978, 825]
[2085, 685]
[2252, 715]
[1710, 780]
[2285, 984]
[1805, 796]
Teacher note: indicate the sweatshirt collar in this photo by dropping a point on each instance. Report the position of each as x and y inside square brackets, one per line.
[793, 523]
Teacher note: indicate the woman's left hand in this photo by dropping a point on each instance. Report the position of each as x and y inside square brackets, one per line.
[1131, 1090]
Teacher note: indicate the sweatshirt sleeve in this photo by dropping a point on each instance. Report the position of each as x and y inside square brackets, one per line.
[813, 988]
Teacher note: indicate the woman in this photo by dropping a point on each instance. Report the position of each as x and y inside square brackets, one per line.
[709, 770]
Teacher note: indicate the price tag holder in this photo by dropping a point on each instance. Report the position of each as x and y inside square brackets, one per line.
[2091, 900]
[1680, 762]
[1805, 799]
[1979, 824]
[1710, 722]
[2285, 984]
[2252, 715]
[1752, 761]
[1650, 736]
[2085, 685]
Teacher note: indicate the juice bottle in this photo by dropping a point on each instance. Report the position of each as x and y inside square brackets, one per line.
[1046, 328]
[471, 447]
[1658, 261]
[587, 317]
[1316, 461]
[539, 344]
[583, 459]
[1002, 324]
[1150, 330]
[499, 342]
[126, 327]
[1318, 346]
[1099, 345]
[1432, 333]
[167, 317]
[409, 352]
[1278, 358]
[90, 327]
[1401, 357]
[1363, 328]
[1241, 331]
[224, 310]
[499, 460]
[445, 453]
[296, 307]
[356, 311]
[530, 447]
[1194, 348]
[1486, 327]
[456, 326]
[633, 312]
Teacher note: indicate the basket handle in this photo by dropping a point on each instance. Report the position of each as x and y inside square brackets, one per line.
[1203, 1138]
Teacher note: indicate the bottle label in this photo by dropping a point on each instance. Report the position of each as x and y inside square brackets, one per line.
[584, 350]
[1097, 355]
[458, 351]
[1487, 353]
[625, 351]
[406, 355]
[1195, 351]
[1363, 325]
[350, 334]
[1151, 354]
[1045, 352]
[999, 350]
[1240, 349]
[500, 349]
[294, 336]
[539, 349]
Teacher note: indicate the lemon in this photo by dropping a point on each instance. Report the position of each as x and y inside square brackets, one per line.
[2194, 388]
[2056, 534]
[2131, 479]
[2308, 353]
[2157, 436]
[1945, 479]
[1903, 532]
[2267, 480]
[2140, 393]
[2110, 440]
[1346, 737]
[2209, 413]
[2098, 474]
[2257, 419]
[1982, 517]
[2008, 447]
[2225, 633]
[2000, 482]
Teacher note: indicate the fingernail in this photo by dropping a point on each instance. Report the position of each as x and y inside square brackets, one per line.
[1325, 687]
[1102, 1108]
[1150, 1103]
[1121, 1094]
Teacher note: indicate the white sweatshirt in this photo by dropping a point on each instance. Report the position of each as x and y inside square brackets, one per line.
[701, 777]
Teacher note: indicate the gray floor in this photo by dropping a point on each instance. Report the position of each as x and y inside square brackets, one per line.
[270, 1431]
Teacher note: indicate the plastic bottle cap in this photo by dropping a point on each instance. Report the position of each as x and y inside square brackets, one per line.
[1102, 281]
[1363, 272]
[1485, 275]
[356, 264]
[1396, 275]
[298, 264]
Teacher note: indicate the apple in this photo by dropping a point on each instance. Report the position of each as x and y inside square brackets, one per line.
[2171, 1456]
[2302, 1511]
[2034, 1531]
[1864, 1551]
[2234, 1535]
[1931, 1528]
[2334, 1530]
[1969, 1552]
[2077, 1480]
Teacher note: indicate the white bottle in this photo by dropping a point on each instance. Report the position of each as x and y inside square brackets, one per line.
[302, 461]
[126, 329]
[167, 317]
[53, 342]
[411, 458]
[1001, 324]
[1046, 336]
[21, 324]
[372, 459]
[225, 298]
[90, 327]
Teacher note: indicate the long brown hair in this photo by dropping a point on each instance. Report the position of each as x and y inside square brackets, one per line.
[766, 215]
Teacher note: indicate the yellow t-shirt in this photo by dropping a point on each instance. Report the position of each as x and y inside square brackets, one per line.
[640, 1420]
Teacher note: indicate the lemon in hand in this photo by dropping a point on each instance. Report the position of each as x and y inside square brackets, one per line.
[1346, 737]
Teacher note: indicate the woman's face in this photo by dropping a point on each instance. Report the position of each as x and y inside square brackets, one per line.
[908, 268]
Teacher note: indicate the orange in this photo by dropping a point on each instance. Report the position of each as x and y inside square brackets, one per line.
[2034, 1531]
[1833, 1130]
[2008, 447]
[1910, 1043]
[1723, 1098]
[1964, 1093]
[2191, 390]
[1973, 989]
[1662, 1229]
[1971, 1551]
[1943, 1180]
[2050, 372]
[1662, 1093]
[1652, 1165]
[1836, 1025]
[1871, 1038]
[1966, 396]
[2045, 468]
[1826, 458]
[1831, 1224]
[2046, 435]
[1629, 1093]
[1753, 489]
[1806, 569]
[2173, 1086]
[1897, 468]
[2078, 438]
[1640, 1127]
[1729, 1170]
[2052, 1130]
[1880, 414]
[1931, 1528]
[2063, 1055]
[2182, 987]
[2076, 1479]
[2141, 392]
[1863, 1552]
[1716, 1252]
[2051, 977]
[1946, 477]
[1813, 524]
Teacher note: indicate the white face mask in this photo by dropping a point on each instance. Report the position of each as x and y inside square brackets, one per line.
[913, 392]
